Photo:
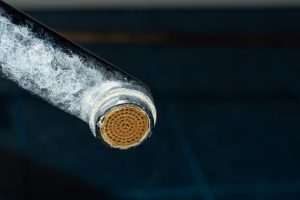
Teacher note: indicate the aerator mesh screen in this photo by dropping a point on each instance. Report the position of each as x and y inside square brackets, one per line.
[125, 126]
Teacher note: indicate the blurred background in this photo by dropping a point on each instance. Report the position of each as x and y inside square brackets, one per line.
[226, 80]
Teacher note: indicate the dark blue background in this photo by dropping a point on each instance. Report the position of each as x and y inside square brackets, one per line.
[227, 91]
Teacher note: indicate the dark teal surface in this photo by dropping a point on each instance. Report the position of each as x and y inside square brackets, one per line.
[228, 116]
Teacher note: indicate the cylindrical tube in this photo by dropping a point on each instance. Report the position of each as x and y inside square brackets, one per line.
[118, 108]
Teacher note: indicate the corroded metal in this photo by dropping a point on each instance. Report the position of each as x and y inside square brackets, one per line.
[69, 77]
